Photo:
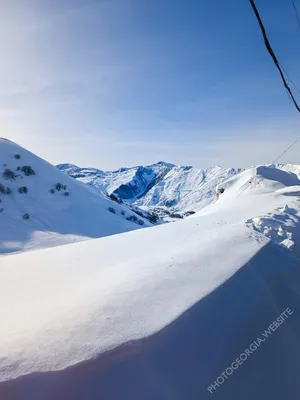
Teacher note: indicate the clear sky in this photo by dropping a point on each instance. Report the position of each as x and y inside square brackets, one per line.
[111, 83]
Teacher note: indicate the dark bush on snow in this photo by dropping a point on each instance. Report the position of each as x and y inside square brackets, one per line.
[174, 215]
[18, 168]
[187, 213]
[28, 171]
[58, 186]
[4, 190]
[132, 218]
[123, 212]
[64, 187]
[23, 189]
[141, 222]
[52, 191]
[8, 174]
[112, 210]
[67, 194]
[26, 216]
[113, 197]
[17, 156]
[139, 213]
[1, 210]
[153, 219]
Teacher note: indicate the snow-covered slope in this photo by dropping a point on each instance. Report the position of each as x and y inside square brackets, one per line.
[161, 313]
[161, 186]
[40, 206]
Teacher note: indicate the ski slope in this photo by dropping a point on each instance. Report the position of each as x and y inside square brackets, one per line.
[160, 313]
[75, 212]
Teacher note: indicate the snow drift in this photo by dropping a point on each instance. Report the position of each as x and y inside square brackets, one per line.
[159, 313]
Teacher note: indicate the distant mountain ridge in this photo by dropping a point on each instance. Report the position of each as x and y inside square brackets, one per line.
[162, 186]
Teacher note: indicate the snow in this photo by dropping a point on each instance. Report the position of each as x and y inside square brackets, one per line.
[159, 313]
[54, 218]
[127, 183]
[187, 188]
[158, 186]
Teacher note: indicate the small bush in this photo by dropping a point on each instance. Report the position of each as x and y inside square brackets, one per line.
[141, 222]
[26, 216]
[132, 218]
[139, 213]
[122, 212]
[23, 189]
[113, 197]
[52, 191]
[1, 210]
[153, 219]
[18, 168]
[64, 187]
[67, 194]
[175, 215]
[188, 213]
[2, 189]
[17, 156]
[8, 174]
[28, 171]
[58, 186]
[112, 210]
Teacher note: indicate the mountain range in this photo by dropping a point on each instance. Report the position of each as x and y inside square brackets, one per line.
[165, 189]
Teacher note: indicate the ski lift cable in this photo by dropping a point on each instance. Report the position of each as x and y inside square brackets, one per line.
[282, 73]
[296, 12]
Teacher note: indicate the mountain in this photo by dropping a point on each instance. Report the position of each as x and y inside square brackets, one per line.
[41, 207]
[163, 189]
[186, 188]
[127, 183]
[205, 307]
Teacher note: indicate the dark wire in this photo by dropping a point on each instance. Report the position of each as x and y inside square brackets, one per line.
[296, 12]
[272, 54]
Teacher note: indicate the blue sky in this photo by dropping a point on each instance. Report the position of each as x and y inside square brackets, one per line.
[111, 83]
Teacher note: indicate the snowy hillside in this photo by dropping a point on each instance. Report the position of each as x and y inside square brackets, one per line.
[40, 206]
[162, 188]
[167, 313]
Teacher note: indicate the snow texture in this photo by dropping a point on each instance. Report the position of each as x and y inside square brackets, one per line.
[160, 313]
[57, 214]
[162, 185]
